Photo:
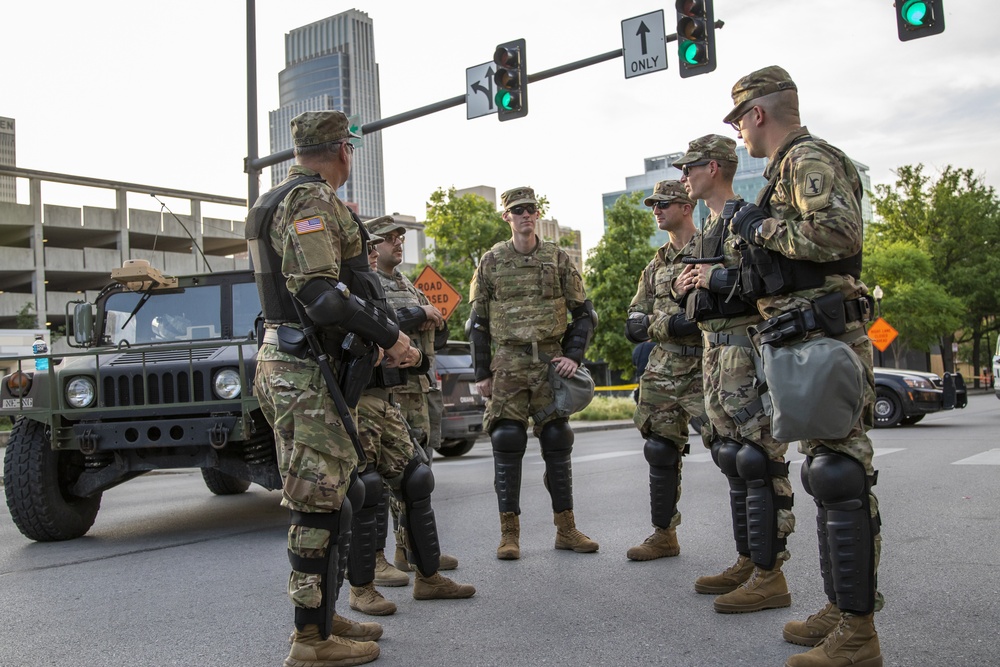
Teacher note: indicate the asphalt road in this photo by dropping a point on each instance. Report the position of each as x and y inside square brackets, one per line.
[171, 575]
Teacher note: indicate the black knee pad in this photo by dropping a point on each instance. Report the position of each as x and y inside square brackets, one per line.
[509, 437]
[556, 437]
[661, 453]
[372, 483]
[835, 478]
[724, 453]
[422, 548]
[418, 481]
[364, 527]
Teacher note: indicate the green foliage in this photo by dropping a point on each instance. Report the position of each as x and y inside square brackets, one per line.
[613, 269]
[463, 229]
[5, 424]
[26, 318]
[955, 222]
[604, 408]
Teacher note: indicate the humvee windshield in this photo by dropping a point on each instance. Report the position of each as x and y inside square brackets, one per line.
[193, 313]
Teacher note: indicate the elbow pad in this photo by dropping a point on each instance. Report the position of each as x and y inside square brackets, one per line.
[410, 318]
[579, 332]
[679, 326]
[722, 280]
[330, 305]
[478, 331]
[637, 328]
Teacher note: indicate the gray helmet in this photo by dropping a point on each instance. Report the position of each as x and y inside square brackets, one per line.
[572, 394]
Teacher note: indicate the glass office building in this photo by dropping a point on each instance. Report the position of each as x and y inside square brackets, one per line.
[330, 64]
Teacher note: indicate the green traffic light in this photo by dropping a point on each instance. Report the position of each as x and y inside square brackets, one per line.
[692, 53]
[506, 100]
[914, 12]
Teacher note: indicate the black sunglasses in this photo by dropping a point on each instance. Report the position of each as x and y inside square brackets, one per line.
[660, 205]
[518, 210]
[686, 169]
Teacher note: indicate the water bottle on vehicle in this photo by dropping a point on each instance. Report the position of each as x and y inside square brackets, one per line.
[39, 348]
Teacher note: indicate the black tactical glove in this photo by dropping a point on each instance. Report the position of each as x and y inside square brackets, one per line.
[747, 223]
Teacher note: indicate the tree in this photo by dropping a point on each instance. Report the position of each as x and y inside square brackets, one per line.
[915, 304]
[26, 318]
[956, 222]
[463, 229]
[613, 269]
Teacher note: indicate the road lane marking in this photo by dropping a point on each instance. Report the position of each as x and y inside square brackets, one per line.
[990, 458]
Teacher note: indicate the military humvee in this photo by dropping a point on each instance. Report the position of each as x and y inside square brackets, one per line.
[163, 380]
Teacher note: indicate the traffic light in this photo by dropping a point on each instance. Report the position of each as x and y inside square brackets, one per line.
[695, 37]
[919, 18]
[512, 80]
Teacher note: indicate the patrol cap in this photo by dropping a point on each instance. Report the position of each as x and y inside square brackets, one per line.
[384, 224]
[515, 196]
[757, 84]
[668, 191]
[710, 147]
[312, 128]
[374, 240]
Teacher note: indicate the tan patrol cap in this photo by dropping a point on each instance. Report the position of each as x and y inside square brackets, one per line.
[385, 224]
[757, 84]
[668, 191]
[515, 196]
[710, 147]
[312, 128]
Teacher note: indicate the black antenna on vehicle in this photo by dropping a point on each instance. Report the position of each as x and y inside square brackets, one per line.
[163, 207]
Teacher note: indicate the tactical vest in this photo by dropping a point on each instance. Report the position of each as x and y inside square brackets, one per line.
[765, 272]
[399, 295]
[275, 300]
[701, 304]
[528, 303]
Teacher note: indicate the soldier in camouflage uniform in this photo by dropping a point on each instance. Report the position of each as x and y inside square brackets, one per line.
[670, 388]
[310, 257]
[521, 296]
[807, 223]
[753, 461]
[392, 460]
[420, 320]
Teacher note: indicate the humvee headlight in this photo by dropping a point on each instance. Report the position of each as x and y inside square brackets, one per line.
[18, 384]
[226, 384]
[80, 392]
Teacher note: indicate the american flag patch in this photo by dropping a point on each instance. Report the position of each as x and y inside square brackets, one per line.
[309, 225]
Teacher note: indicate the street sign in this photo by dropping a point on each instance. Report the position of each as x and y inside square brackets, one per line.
[644, 44]
[479, 88]
[882, 334]
[442, 296]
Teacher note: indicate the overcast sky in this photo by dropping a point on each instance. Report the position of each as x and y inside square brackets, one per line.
[155, 93]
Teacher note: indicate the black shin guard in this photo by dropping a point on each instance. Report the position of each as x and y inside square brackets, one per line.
[842, 486]
[364, 531]
[330, 566]
[556, 442]
[423, 549]
[724, 453]
[822, 533]
[664, 478]
[758, 471]
[509, 439]
[382, 519]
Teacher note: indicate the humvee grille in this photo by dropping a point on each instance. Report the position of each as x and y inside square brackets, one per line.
[161, 389]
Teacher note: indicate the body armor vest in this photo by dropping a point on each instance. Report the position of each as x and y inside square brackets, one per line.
[529, 303]
[766, 272]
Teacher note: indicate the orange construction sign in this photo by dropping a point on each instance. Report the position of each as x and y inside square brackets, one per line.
[437, 290]
[882, 334]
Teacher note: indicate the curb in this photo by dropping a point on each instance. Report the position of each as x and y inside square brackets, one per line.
[581, 426]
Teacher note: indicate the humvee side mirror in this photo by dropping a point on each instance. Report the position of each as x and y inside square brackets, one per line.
[83, 324]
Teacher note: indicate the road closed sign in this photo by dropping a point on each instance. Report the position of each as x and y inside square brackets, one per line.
[442, 296]
[882, 334]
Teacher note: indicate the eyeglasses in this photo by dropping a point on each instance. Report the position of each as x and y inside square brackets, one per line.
[392, 238]
[660, 205]
[526, 208]
[686, 169]
[346, 143]
[735, 123]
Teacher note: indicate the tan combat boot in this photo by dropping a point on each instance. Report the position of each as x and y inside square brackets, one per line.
[812, 631]
[765, 589]
[661, 544]
[311, 650]
[510, 537]
[852, 643]
[728, 580]
[568, 537]
[348, 629]
[436, 587]
[445, 562]
[386, 574]
[369, 601]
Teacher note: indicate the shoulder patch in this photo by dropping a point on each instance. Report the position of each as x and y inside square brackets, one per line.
[814, 183]
[309, 225]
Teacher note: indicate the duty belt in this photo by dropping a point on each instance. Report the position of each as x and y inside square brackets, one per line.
[683, 350]
[716, 339]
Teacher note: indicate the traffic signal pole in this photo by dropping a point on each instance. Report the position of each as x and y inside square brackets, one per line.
[253, 165]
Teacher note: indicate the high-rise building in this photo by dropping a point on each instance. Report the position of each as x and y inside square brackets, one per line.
[330, 64]
[749, 180]
[8, 185]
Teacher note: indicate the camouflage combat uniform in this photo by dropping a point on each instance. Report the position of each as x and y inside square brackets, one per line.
[315, 454]
[526, 299]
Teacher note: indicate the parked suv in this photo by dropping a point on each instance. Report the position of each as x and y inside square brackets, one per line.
[462, 422]
[904, 397]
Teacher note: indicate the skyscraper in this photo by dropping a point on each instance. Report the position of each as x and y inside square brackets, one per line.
[330, 64]
[8, 185]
